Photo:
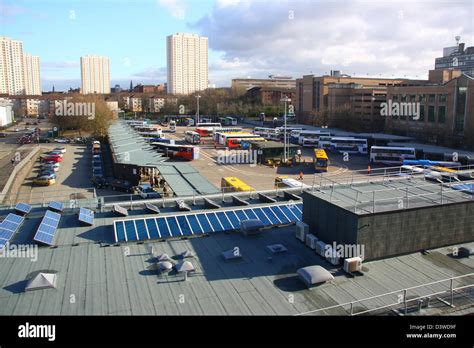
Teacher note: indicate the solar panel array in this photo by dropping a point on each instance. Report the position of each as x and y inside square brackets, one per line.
[56, 206]
[199, 223]
[23, 208]
[48, 228]
[8, 227]
[86, 216]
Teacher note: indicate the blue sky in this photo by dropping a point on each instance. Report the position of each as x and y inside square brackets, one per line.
[247, 38]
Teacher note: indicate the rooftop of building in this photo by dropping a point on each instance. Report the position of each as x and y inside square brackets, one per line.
[107, 279]
[389, 191]
[129, 148]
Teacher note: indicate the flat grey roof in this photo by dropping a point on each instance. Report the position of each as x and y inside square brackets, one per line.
[105, 281]
[128, 147]
[390, 194]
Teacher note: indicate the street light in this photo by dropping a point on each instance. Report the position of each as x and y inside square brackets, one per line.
[197, 113]
[285, 100]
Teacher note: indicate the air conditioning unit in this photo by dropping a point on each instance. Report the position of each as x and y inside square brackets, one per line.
[320, 248]
[353, 264]
[302, 230]
[333, 260]
[311, 240]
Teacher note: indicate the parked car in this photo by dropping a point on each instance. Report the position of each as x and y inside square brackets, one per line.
[50, 165]
[3, 135]
[61, 140]
[54, 153]
[47, 174]
[51, 158]
[44, 140]
[146, 191]
[60, 149]
[99, 182]
[44, 181]
[121, 185]
[97, 172]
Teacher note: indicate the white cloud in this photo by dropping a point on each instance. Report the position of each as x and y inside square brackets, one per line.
[363, 37]
[176, 8]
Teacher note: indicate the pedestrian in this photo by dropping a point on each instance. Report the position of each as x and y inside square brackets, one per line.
[165, 191]
[369, 170]
[301, 175]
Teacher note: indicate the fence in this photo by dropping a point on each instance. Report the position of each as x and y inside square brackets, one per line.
[402, 296]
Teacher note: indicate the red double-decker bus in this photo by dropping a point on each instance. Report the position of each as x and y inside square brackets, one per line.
[207, 129]
[178, 151]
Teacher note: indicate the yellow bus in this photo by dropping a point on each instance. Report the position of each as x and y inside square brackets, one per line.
[234, 184]
[320, 160]
[443, 169]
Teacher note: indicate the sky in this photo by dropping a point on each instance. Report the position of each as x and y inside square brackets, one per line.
[247, 38]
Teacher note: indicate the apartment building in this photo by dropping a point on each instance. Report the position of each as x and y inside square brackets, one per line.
[187, 63]
[95, 75]
[12, 73]
[31, 65]
[270, 95]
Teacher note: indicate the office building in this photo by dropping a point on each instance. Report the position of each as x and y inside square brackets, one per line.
[187, 63]
[457, 57]
[95, 75]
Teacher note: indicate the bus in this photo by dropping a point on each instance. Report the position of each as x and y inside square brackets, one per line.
[285, 182]
[207, 129]
[218, 131]
[228, 121]
[267, 133]
[236, 143]
[320, 161]
[310, 142]
[192, 137]
[224, 137]
[391, 154]
[178, 151]
[344, 144]
[234, 184]
[297, 137]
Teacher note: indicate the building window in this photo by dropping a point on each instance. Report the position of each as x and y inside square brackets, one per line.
[413, 98]
[443, 98]
[442, 114]
[404, 98]
[431, 113]
[422, 98]
[431, 98]
[395, 97]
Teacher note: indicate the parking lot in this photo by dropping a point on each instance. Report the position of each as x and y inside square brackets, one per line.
[73, 179]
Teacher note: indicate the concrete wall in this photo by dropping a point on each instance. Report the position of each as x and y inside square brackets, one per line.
[401, 232]
[329, 222]
[391, 233]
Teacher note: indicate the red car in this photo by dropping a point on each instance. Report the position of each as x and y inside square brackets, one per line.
[52, 159]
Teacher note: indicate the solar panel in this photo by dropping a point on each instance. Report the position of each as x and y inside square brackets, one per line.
[153, 208]
[8, 227]
[120, 210]
[86, 216]
[199, 223]
[23, 208]
[47, 228]
[56, 206]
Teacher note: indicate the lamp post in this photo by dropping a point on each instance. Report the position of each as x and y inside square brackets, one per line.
[197, 113]
[285, 100]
